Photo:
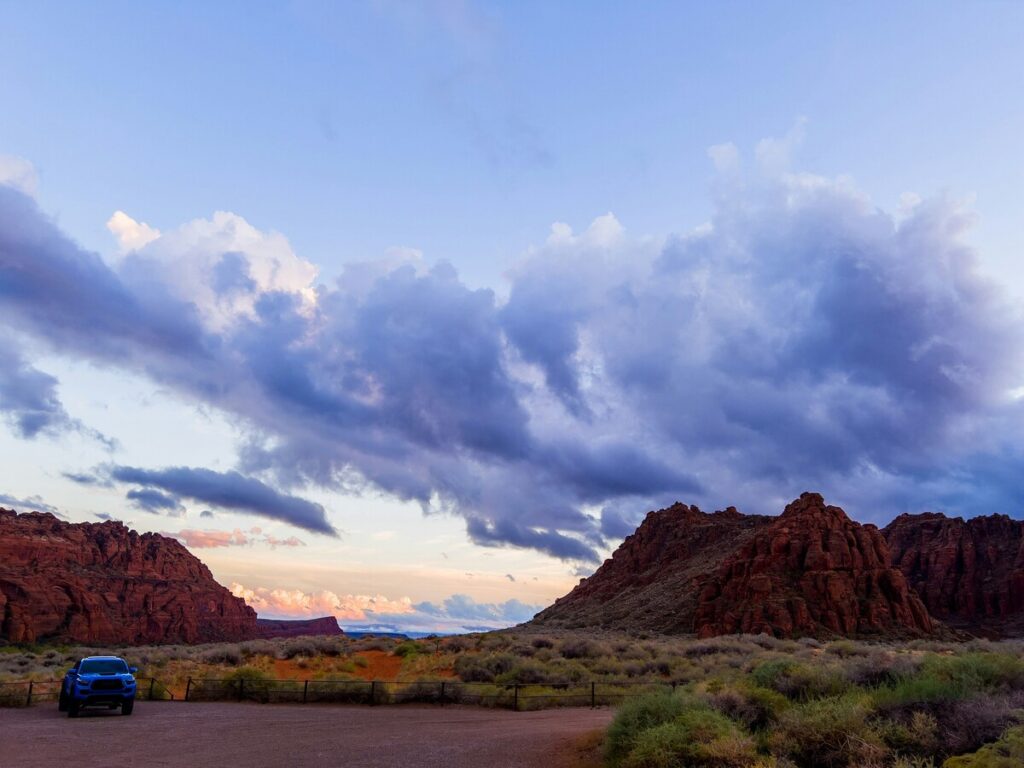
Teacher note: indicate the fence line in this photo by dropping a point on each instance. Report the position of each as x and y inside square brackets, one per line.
[516, 696]
[26, 692]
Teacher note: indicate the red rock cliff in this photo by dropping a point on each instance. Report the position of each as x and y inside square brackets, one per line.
[970, 574]
[810, 571]
[103, 583]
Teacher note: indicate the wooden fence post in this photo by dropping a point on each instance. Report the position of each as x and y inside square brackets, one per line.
[593, 695]
[188, 687]
[515, 697]
[241, 688]
[305, 691]
[152, 682]
[373, 692]
[442, 692]
[28, 700]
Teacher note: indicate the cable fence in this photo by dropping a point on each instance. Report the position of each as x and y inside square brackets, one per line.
[517, 696]
[25, 693]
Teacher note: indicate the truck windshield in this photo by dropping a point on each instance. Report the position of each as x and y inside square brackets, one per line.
[102, 667]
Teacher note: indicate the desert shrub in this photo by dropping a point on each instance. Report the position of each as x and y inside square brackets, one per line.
[360, 661]
[542, 642]
[581, 648]
[918, 736]
[484, 668]
[222, 654]
[831, 732]
[846, 649]
[754, 707]
[457, 644]
[970, 723]
[1007, 752]
[636, 716]
[880, 668]
[799, 681]
[406, 648]
[696, 737]
[299, 646]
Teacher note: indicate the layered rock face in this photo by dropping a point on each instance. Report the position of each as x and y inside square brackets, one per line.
[325, 625]
[103, 583]
[969, 573]
[811, 571]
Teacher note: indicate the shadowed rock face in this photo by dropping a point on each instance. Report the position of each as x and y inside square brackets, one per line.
[810, 571]
[969, 573]
[103, 583]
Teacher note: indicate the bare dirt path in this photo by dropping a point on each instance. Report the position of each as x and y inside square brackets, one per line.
[221, 735]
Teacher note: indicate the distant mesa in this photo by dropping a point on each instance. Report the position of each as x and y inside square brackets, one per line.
[810, 571]
[325, 625]
[103, 583]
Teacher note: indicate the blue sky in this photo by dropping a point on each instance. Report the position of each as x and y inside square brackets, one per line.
[508, 377]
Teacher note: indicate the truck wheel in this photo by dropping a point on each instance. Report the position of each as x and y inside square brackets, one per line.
[127, 707]
[72, 708]
[62, 701]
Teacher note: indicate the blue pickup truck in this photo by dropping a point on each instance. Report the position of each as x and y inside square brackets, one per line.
[98, 681]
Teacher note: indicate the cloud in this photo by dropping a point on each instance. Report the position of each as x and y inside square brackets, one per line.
[19, 173]
[295, 603]
[457, 613]
[131, 234]
[208, 539]
[149, 500]
[801, 338]
[30, 504]
[228, 490]
[28, 397]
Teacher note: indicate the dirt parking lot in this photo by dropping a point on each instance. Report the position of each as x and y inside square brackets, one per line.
[197, 735]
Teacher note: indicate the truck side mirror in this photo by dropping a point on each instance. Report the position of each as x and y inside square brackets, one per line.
[71, 671]
[133, 670]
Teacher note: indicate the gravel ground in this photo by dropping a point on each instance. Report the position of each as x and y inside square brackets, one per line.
[219, 735]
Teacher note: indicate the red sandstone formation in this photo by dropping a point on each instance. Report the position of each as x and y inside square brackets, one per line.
[652, 580]
[103, 583]
[325, 625]
[970, 574]
[811, 571]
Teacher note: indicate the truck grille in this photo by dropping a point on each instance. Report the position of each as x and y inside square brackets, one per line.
[107, 685]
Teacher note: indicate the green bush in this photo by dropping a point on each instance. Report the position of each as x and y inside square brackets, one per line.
[636, 716]
[1007, 752]
[696, 737]
[404, 649]
[828, 733]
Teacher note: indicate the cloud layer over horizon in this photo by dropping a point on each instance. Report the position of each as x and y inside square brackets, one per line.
[802, 339]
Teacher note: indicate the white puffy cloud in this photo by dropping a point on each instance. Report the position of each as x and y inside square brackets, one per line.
[131, 234]
[19, 173]
[295, 603]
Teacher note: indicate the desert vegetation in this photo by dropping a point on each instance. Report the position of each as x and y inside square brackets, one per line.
[742, 701]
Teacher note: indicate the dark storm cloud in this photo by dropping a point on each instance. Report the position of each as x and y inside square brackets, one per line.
[802, 339]
[28, 397]
[149, 500]
[228, 490]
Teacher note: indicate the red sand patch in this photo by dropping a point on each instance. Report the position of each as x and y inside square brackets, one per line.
[381, 665]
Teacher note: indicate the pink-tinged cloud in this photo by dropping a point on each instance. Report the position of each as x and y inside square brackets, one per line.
[194, 538]
[295, 602]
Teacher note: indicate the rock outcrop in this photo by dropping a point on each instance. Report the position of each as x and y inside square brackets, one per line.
[810, 571]
[104, 583]
[969, 573]
[324, 625]
[652, 580]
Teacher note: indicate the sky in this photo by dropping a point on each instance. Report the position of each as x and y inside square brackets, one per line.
[409, 312]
